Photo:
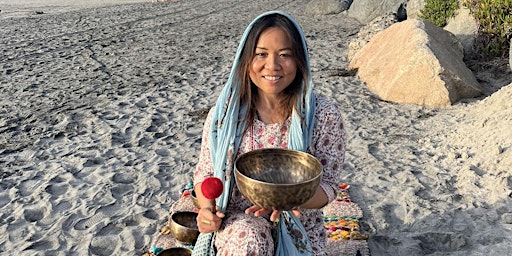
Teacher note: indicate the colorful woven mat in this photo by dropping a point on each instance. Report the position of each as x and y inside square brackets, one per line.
[341, 222]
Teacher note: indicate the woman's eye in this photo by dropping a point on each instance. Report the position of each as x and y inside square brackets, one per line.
[261, 54]
[286, 55]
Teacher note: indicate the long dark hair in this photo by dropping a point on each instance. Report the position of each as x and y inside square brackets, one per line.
[248, 91]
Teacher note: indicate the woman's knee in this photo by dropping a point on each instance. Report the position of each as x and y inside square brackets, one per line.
[245, 235]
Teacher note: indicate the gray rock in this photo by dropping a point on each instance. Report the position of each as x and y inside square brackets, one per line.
[414, 8]
[325, 7]
[465, 28]
[366, 10]
[507, 217]
[401, 13]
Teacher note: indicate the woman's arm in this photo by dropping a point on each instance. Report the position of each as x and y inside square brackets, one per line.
[207, 221]
[328, 147]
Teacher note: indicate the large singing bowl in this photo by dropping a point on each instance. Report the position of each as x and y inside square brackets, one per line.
[278, 179]
[184, 227]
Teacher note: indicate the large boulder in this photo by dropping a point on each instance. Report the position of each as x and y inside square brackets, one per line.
[325, 7]
[366, 10]
[465, 27]
[416, 62]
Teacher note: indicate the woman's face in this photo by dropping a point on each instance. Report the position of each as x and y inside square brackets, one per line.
[273, 67]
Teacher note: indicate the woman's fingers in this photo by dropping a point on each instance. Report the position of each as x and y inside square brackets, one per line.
[257, 210]
[275, 215]
[207, 221]
[296, 212]
[252, 209]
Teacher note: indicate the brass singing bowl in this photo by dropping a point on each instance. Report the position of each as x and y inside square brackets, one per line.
[279, 179]
[175, 251]
[194, 199]
[184, 227]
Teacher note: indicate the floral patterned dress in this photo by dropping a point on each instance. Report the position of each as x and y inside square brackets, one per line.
[242, 234]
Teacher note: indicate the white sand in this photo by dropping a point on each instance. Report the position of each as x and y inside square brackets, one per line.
[99, 129]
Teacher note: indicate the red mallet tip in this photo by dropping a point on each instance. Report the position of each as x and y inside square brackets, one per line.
[212, 187]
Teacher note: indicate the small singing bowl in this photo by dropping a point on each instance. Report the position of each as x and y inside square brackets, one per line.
[194, 199]
[175, 251]
[279, 179]
[184, 227]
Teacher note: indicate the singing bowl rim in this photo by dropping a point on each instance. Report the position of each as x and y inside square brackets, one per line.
[173, 220]
[267, 150]
[194, 199]
[173, 249]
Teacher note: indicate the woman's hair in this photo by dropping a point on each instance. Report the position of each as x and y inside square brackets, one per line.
[248, 91]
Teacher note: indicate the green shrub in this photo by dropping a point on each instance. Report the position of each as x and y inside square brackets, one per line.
[439, 11]
[495, 25]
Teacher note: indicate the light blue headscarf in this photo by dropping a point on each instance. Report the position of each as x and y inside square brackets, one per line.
[227, 127]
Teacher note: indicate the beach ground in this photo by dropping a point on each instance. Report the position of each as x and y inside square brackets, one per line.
[101, 115]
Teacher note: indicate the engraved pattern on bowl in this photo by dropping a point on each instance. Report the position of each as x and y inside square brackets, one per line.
[276, 178]
[184, 227]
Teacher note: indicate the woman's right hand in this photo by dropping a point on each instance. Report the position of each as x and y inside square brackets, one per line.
[207, 221]
[274, 214]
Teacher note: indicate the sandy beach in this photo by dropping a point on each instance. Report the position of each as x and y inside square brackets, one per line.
[102, 107]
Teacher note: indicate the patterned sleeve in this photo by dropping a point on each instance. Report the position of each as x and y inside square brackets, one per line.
[204, 166]
[328, 145]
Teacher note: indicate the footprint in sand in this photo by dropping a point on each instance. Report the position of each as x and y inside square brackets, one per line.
[140, 220]
[58, 211]
[125, 178]
[104, 245]
[103, 214]
[30, 187]
[57, 189]
[44, 245]
[34, 213]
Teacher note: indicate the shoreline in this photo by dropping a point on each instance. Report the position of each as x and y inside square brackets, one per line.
[30, 8]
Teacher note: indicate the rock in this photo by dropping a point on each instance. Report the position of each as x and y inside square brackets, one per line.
[416, 62]
[465, 27]
[507, 217]
[414, 8]
[401, 13]
[366, 10]
[325, 7]
[368, 31]
[510, 55]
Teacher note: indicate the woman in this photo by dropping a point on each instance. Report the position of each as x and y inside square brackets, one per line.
[267, 103]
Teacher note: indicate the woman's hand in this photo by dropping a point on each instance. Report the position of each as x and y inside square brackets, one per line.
[258, 211]
[207, 221]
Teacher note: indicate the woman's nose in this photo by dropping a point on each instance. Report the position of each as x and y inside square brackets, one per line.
[272, 62]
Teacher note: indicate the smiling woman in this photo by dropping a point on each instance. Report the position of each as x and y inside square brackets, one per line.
[268, 102]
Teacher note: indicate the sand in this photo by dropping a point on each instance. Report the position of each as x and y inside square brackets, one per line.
[101, 114]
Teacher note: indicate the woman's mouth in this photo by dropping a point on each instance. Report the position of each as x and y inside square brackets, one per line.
[272, 78]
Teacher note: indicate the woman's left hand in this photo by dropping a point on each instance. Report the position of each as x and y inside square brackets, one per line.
[258, 211]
